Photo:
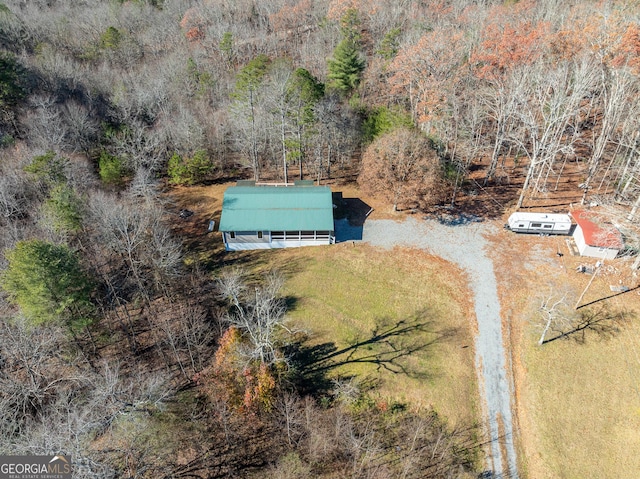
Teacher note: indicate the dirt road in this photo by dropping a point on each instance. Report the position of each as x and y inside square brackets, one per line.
[462, 242]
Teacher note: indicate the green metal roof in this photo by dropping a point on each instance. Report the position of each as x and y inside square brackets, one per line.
[277, 208]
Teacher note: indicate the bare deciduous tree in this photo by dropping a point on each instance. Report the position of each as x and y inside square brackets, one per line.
[289, 408]
[550, 310]
[28, 376]
[15, 191]
[137, 233]
[259, 314]
[277, 106]
[549, 107]
[567, 323]
[141, 146]
[336, 135]
[81, 127]
[144, 185]
[46, 124]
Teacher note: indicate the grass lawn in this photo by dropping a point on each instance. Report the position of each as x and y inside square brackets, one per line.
[585, 403]
[578, 404]
[342, 293]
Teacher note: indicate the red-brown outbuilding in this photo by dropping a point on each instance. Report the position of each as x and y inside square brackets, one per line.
[594, 236]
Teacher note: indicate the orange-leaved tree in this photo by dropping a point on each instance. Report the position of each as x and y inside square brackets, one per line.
[223, 381]
[505, 46]
[232, 380]
[426, 72]
[260, 388]
[291, 17]
[403, 167]
[627, 52]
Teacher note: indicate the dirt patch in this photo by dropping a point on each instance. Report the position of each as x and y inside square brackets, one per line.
[493, 199]
[205, 202]
[529, 267]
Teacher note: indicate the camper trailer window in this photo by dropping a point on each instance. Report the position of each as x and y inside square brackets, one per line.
[521, 225]
[536, 225]
[548, 226]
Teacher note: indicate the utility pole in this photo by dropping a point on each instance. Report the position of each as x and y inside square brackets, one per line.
[595, 271]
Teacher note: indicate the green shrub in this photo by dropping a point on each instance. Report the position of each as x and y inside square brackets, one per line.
[111, 39]
[226, 47]
[111, 169]
[49, 168]
[177, 170]
[382, 120]
[202, 80]
[390, 44]
[64, 209]
[7, 140]
[188, 171]
[48, 283]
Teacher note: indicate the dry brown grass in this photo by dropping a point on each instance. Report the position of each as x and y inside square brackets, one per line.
[344, 291]
[577, 405]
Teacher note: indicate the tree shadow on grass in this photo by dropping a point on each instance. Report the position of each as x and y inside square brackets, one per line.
[601, 321]
[390, 346]
[625, 291]
[254, 262]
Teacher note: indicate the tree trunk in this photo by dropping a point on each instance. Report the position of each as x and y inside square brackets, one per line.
[544, 331]
[495, 156]
[300, 151]
[254, 146]
[284, 148]
[525, 186]
[634, 210]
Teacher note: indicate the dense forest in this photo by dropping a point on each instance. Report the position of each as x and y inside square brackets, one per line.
[112, 343]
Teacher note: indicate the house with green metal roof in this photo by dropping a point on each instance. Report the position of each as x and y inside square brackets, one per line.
[264, 217]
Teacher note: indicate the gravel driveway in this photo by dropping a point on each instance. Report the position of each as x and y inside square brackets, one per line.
[460, 240]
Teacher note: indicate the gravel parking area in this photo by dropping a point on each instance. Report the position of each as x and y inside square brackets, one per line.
[461, 241]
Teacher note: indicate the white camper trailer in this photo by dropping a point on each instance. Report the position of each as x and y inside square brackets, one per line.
[544, 223]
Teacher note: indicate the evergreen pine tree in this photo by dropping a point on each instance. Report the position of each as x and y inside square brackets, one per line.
[245, 101]
[345, 67]
[48, 283]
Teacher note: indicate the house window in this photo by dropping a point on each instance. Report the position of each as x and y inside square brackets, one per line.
[259, 234]
[232, 235]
